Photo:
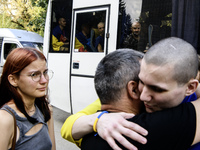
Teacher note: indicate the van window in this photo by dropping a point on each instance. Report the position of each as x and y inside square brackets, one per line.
[8, 47]
[158, 20]
[143, 22]
[90, 31]
[61, 16]
[38, 46]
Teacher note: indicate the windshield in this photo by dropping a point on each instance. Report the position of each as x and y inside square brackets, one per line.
[38, 46]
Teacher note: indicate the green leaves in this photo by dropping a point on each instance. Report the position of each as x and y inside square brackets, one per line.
[24, 14]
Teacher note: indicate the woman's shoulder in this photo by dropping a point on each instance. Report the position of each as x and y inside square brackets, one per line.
[6, 120]
[11, 106]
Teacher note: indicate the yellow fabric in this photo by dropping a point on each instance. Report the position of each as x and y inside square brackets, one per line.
[96, 31]
[66, 130]
[55, 44]
[78, 44]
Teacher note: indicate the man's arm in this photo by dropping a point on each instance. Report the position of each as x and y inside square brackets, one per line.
[75, 127]
[81, 123]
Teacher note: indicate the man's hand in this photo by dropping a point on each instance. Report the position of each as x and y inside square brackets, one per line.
[113, 126]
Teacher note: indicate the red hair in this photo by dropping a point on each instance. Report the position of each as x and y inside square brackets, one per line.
[16, 61]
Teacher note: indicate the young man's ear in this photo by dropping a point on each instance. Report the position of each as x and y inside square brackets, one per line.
[192, 87]
[132, 89]
[12, 80]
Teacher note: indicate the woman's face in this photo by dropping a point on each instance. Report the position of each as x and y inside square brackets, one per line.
[26, 86]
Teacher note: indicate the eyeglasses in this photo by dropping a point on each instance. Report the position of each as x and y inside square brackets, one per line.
[36, 76]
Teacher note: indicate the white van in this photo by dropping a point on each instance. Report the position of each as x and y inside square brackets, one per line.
[72, 87]
[13, 38]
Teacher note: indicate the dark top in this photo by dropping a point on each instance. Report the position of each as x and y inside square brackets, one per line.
[99, 40]
[171, 129]
[59, 34]
[84, 40]
[131, 42]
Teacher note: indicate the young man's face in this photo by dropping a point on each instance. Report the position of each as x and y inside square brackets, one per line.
[62, 22]
[101, 28]
[158, 89]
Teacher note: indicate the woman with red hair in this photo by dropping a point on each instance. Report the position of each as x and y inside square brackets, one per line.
[23, 91]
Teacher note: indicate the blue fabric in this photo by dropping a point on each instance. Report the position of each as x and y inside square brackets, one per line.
[195, 147]
[191, 98]
[85, 41]
[99, 40]
[57, 32]
[82, 38]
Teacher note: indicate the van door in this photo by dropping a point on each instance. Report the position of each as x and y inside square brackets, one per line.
[89, 46]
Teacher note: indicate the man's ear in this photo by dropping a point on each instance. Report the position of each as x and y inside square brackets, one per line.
[132, 89]
[192, 87]
[12, 80]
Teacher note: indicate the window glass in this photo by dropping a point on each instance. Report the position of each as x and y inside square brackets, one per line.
[90, 32]
[61, 26]
[38, 46]
[143, 22]
[8, 47]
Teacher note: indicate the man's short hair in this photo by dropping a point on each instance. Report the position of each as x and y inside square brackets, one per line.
[100, 24]
[113, 73]
[177, 52]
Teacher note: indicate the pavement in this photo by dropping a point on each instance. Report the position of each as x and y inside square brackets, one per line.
[59, 118]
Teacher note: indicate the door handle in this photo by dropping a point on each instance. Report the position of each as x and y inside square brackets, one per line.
[75, 65]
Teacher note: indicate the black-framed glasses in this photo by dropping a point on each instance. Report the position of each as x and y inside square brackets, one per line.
[36, 76]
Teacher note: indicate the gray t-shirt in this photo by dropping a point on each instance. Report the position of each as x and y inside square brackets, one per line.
[38, 141]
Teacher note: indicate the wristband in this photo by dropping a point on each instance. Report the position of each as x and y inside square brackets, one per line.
[95, 122]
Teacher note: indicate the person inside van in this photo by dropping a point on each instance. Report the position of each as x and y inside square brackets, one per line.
[82, 40]
[99, 42]
[60, 38]
[131, 40]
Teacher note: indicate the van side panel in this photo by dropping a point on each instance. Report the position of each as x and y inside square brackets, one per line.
[1, 43]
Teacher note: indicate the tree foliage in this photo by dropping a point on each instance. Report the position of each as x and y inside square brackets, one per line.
[24, 14]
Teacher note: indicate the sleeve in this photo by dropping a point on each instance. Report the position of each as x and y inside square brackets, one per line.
[68, 124]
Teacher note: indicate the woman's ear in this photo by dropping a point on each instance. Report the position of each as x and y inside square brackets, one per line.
[192, 87]
[12, 80]
[132, 89]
